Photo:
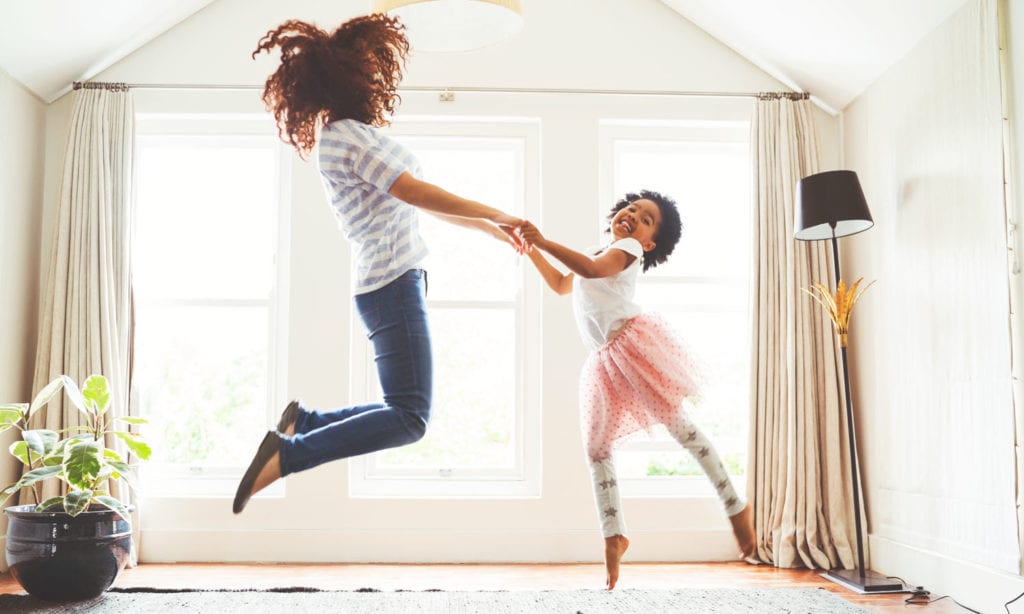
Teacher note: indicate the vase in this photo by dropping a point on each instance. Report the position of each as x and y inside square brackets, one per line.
[59, 557]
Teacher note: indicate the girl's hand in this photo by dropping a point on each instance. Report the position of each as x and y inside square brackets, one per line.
[509, 235]
[530, 234]
[508, 224]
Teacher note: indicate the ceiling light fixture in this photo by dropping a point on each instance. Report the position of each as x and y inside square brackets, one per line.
[454, 25]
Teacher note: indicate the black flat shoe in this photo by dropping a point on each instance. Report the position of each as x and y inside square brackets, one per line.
[270, 445]
[288, 416]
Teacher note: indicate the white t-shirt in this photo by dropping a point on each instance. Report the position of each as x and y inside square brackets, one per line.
[358, 164]
[603, 305]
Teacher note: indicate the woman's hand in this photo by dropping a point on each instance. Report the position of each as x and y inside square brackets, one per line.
[530, 234]
[509, 226]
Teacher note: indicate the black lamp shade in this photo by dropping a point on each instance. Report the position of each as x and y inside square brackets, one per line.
[828, 200]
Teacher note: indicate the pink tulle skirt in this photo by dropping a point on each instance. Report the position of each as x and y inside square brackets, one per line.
[638, 379]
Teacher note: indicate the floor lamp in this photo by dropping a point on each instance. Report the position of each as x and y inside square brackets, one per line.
[830, 205]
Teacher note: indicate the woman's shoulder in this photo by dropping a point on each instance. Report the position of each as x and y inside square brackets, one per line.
[348, 133]
[347, 125]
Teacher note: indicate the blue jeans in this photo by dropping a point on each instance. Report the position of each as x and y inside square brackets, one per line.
[395, 319]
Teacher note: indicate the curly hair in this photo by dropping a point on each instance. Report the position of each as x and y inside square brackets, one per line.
[352, 73]
[669, 231]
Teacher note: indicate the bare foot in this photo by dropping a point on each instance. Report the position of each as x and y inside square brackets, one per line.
[743, 529]
[614, 547]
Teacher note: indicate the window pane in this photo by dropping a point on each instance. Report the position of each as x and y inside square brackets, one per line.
[475, 434]
[473, 417]
[204, 225]
[466, 264]
[201, 374]
[702, 289]
[710, 183]
[204, 273]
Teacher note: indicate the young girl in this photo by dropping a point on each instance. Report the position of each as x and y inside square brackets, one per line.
[638, 372]
[336, 89]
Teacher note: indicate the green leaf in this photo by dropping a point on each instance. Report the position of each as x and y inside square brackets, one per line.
[97, 390]
[11, 415]
[117, 506]
[122, 467]
[106, 471]
[53, 459]
[125, 472]
[50, 503]
[112, 455]
[40, 441]
[77, 501]
[75, 395]
[36, 475]
[46, 394]
[136, 445]
[82, 463]
[19, 449]
[131, 420]
[10, 489]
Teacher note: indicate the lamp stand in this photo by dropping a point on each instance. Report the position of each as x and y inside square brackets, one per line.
[861, 580]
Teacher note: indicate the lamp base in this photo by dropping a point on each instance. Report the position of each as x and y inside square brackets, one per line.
[863, 581]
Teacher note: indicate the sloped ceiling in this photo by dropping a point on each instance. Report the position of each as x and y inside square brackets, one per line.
[47, 44]
[833, 49]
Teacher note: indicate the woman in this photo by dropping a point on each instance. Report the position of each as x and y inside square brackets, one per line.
[337, 89]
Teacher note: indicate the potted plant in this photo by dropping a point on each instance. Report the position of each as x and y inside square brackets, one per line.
[72, 546]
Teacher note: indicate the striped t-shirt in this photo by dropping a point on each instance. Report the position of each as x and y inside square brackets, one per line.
[358, 164]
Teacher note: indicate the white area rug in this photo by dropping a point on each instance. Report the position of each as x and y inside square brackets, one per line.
[369, 601]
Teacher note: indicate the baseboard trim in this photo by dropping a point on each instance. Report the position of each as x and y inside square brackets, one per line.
[975, 586]
[434, 546]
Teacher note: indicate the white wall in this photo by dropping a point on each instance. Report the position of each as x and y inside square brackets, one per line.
[21, 180]
[930, 347]
[1013, 40]
[21, 194]
[639, 44]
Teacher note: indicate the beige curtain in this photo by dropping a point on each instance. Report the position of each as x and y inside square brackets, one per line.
[85, 307]
[799, 474]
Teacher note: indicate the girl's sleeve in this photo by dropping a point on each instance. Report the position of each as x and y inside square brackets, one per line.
[629, 245]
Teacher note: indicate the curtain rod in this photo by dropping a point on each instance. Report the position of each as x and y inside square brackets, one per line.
[453, 89]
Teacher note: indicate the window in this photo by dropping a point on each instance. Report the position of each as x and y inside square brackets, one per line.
[206, 286]
[484, 431]
[702, 288]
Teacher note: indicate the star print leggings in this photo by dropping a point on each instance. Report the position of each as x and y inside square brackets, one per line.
[638, 379]
[606, 488]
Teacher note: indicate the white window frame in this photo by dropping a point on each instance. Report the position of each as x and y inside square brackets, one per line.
[366, 478]
[245, 130]
[727, 132]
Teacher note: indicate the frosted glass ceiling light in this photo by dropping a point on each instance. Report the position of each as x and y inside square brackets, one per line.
[454, 25]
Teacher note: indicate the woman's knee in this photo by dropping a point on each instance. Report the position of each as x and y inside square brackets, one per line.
[416, 420]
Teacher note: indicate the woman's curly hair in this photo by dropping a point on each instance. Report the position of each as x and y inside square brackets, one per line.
[669, 231]
[352, 73]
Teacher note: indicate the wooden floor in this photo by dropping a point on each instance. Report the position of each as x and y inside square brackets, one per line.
[493, 577]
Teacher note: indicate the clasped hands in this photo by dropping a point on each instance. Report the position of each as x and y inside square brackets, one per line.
[521, 234]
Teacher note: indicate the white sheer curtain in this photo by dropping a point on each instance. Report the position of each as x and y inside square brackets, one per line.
[799, 480]
[85, 307]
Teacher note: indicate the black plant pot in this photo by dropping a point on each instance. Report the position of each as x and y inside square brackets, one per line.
[59, 557]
